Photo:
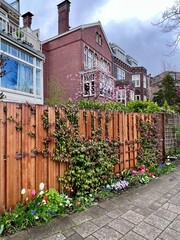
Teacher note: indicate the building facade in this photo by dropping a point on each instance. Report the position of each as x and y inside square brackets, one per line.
[85, 65]
[156, 81]
[21, 78]
[78, 59]
[131, 79]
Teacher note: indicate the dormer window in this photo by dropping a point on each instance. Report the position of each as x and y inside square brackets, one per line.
[98, 38]
[3, 20]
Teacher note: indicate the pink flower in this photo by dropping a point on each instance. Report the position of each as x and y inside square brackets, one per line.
[134, 172]
[33, 193]
[142, 171]
[141, 167]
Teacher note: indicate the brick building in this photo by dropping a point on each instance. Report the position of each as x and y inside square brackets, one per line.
[156, 81]
[131, 79]
[79, 59]
[85, 65]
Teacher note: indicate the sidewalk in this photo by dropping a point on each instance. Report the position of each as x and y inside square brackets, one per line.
[148, 212]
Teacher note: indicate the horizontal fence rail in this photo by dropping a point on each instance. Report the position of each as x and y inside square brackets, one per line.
[23, 159]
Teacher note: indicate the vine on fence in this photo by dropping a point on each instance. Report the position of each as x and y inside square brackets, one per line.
[91, 160]
[150, 151]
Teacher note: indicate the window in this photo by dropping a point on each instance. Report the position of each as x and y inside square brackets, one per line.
[23, 71]
[106, 86]
[120, 54]
[131, 95]
[3, 20]
[88, 58]
[121, 95]
[137, 97]
[120, 74]
[19, 76]
[88, 84]
[136, 80]
[98, 38]
[144, 82]
[173, 75]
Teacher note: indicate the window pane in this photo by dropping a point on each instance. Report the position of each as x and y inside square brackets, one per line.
[4, 46]
[38, 86]
[19, 76]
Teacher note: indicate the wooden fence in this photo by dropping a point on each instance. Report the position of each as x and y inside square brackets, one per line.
[22, 136]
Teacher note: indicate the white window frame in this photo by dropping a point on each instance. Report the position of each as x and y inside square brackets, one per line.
[3, 20]
[144, 81]
[136, 80]
[88, 79]
[120, 74]
[131, 96]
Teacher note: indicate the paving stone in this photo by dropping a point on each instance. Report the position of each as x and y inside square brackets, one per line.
[96, 211]
[175, 225]
[133, 236]
[147, 231]
[169, 234]
[167, 195]
[166, 214]
[68, 232]
[115, 213]
[75, 237]
[155, 206]
[81, 217]
[171, 207]
[157, 221]
[90, 238]
[40, 232]
[140, 203]
[145, 212]
[86, 229]
[61, 223]
[121, 225]
[58, 236]
[107, 233]
[108, 206]
[23, 235]
[173, 192]
[133, 217]
[101, 221]
[161, 200]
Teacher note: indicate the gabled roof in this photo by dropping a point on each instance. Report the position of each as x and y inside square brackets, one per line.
[83, 26]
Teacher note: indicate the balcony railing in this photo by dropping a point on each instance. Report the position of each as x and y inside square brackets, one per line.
[96, 65]
[26, 36]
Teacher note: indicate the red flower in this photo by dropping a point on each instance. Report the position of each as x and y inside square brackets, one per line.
[141, 167]
[45, 198]
[151, 175]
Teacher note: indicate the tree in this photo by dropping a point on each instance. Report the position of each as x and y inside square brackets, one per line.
[170, 21]
[167, 91]
[55, 93]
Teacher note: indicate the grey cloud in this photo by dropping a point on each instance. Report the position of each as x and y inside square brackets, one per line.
[144, 42]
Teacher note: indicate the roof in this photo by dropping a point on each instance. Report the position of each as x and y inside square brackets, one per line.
[79, 28]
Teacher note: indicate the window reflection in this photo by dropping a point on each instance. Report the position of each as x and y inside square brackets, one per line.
[19, 76]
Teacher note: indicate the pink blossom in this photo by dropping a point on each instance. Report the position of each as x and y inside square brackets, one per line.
[33, 193]
[134, 172]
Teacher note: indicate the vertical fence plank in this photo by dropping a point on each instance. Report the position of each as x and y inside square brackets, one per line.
[116, 138]
[12, 174]
[41, 161]
[53, 166]
[3, 155]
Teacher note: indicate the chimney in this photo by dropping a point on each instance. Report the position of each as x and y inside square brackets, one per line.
[63, 16]
[27, 19]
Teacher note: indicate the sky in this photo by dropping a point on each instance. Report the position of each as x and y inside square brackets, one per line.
[127, 23]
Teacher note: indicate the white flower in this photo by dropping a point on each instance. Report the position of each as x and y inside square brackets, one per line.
[41, 192]
[41, 186]
[23, 191]
[44, 201]
[36, 217]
